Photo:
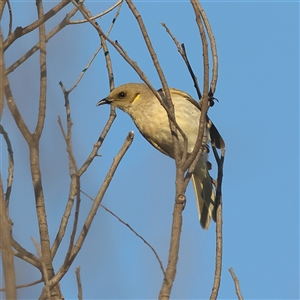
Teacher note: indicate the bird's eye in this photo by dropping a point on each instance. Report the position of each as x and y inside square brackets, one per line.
[122, 95]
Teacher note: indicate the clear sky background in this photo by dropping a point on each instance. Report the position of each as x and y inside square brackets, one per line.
[257, 115]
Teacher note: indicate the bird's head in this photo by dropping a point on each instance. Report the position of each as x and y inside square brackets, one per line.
[124, 96]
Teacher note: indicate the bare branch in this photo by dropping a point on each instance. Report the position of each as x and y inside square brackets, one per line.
[43, 74]
[26, 285]
[98, 144]
[74, 181]
[213, 49]
[2, 4]
[43, 268]
[6, 249]
[105, 50]
[118, 3]
[174, 248]
[219, 223]
[201, 137]
[35, 48]
[10, 18]
[19, 31]
[74, 186]
[130, 228]
[79, 283]
[75, 223]
[64, 268]
[181, 50]
[68, 137]
[236, 284]
[15, 111]
[100, 194]
[10, 165]
[2, 68]
[23, 254]
[65, 218]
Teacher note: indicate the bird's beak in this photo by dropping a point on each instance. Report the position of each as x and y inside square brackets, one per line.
[103, 101]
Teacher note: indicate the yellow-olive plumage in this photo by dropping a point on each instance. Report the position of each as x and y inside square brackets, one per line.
[151, 119]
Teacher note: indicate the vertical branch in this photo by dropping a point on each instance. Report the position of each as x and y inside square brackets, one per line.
[179, 159]
[2, 68]
[200, 19]
[236, 284]
[6, 249]
[219, 223]
[2, 4]
[201, 137]
[43, 73]
[78, 279]
[35, 159]
[213, 46]
[10, 165]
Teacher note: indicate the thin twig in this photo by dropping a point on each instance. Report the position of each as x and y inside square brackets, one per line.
[74, 186]
[75, 222]
[100, 194]
[15, 111]
[43, 75]
[10, 17]
[36, 47]
[26, 285]
[10, 165]
[66, 215]
[68, 137]
[236, 284]
[130, 228]
[219, 223]
[2, 68]
[118, 3]
[7, 256]
[182, 51]
[201, 137]
[43, 267]
[88, 222]
[213, 45]
[195, 80]
[19, 31]
[105, 50]
[23, 254]
[75, 179]
[79, 285]
[2, 5]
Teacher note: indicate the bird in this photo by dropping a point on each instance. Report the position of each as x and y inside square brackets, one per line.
[151, 119]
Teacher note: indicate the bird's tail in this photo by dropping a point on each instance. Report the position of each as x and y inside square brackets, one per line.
[205, 194]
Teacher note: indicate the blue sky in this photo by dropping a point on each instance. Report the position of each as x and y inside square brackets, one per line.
[257, 115]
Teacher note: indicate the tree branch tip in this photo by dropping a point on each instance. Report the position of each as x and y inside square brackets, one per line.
[130, 135]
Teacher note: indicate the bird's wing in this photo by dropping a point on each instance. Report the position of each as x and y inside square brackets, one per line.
[215, 136]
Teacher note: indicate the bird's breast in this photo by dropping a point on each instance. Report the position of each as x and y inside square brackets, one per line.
[153, 123]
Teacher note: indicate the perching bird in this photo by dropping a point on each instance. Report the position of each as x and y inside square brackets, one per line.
[151, 119]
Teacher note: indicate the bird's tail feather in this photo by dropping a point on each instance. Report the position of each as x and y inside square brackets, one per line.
[205, 194]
